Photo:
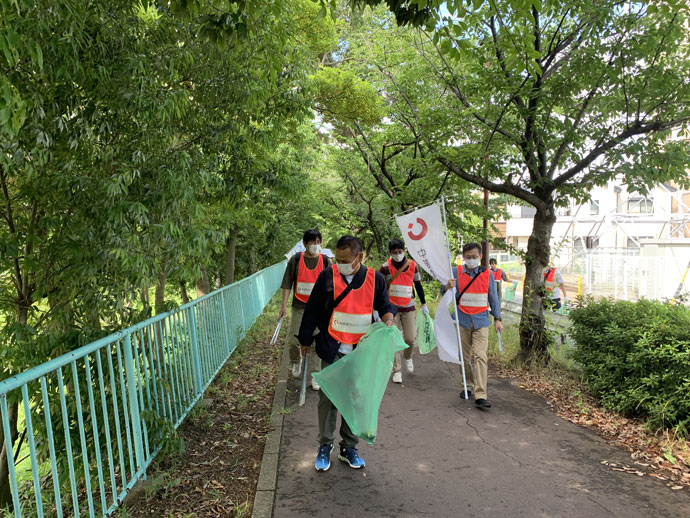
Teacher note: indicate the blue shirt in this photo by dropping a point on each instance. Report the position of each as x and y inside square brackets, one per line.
[480, 319]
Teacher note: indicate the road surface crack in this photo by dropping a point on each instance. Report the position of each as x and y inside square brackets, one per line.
[479, 435]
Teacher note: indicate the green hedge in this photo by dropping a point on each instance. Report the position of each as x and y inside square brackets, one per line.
[635, 358]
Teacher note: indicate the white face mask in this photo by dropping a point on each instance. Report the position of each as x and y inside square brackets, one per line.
[347, 268]
[471, 264]
[314, 249]
[397, 257]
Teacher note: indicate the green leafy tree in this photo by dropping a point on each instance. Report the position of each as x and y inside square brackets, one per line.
[113, 115]
[553, 99]
[542, 101]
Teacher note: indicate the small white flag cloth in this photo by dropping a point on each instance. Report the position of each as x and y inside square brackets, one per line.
[444, 328]
[425, 240]
[299, 247]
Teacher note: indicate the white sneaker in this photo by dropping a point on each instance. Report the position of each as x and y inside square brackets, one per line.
[296, 370]
[409, 366]
[315, 385]
[397, 377]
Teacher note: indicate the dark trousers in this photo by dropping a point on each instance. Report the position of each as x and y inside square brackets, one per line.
[328, 415]
[552, 304]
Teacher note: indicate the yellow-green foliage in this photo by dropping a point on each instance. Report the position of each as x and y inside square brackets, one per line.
[318, 30]
[343, 97]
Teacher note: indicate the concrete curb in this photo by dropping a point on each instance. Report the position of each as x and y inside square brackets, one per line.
[266, 486]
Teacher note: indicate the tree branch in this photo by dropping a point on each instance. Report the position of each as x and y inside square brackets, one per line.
[512, 189]
[461, 97]
[636, 129]
[9, 217]
[501, 61]
[376, 176]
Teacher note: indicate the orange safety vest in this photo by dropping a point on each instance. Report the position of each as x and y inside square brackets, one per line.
[400, 290]
[549, 280]
[306, 278]
[351, 319]
[498, 274]
[475, 300]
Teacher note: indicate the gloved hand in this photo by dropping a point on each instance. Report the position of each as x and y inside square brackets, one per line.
[425, 309]
[566, 300]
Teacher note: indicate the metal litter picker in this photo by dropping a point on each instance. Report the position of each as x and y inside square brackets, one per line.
[305, 373]
[277, 331]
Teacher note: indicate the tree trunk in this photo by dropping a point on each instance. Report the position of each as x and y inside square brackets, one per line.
[145, 300]
[5, 490]
[159, 300]
[230, 247]
[13, 411]
[202, 285]
[183, 291]
[252, 261]
[532, 324]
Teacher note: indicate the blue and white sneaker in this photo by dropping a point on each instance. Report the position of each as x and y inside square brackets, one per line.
[323, 457]
[350, 456]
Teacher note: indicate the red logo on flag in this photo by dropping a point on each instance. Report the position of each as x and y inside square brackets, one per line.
[421, 234]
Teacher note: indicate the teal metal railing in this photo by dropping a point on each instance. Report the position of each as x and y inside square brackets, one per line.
[96, 417]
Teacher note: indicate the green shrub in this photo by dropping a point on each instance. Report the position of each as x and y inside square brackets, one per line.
[635, 358]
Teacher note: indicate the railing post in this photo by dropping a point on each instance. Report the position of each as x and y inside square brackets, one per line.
[226, 335]
[134, 405]
[196, 359]
[244, 328]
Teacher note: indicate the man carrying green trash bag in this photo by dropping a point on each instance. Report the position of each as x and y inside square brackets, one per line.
[341, 306]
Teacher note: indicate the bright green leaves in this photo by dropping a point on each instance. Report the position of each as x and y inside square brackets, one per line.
[315, 29]
[344, 97]
[147, 13]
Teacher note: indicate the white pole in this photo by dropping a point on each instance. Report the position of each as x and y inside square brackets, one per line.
[457, 319]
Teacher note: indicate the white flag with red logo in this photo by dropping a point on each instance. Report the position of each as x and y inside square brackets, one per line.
[425, 240]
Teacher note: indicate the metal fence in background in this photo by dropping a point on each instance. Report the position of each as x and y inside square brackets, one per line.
[623, 276]
[96, 417]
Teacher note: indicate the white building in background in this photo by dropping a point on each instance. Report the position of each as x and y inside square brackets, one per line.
[620, 243]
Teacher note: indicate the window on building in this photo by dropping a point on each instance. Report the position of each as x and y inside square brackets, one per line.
[640, 205]
[594, 208]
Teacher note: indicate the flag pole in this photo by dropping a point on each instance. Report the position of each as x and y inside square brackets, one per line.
[457, 319]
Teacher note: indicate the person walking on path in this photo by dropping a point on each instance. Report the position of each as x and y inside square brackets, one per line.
[475, 297]
[499, 276]
[341, 306]
[301, 273]
[403, 280]
[553, 285]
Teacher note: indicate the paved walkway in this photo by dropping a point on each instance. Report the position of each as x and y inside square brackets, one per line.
[438, 456]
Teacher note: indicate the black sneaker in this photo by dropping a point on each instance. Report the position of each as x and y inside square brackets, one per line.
[350, 456]
[482, 403]
[462, 394]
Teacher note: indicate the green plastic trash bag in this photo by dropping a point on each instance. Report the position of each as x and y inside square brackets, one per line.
[510, 292]
[426, 339]
[355, 384]
[564, 309]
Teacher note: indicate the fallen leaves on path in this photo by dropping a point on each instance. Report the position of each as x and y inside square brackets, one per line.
[224, 439]
[657, 455]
